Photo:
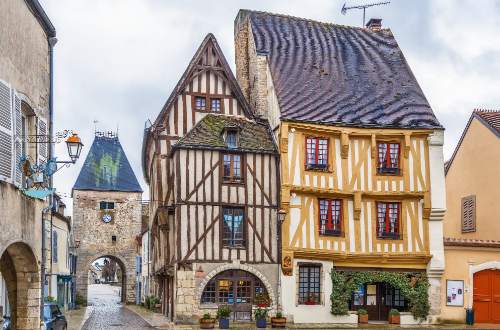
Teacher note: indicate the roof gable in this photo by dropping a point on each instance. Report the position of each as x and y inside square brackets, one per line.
[107, 168]
[489, 118]
[333, 74]
[209, 56]
[208, 133]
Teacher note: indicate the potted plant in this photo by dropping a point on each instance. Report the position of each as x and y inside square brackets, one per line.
[223, 315]
[362, 315]
[207, 322]
[394, 317]
[262, 300]
[278, 321]
[311, 299]
[260, 317]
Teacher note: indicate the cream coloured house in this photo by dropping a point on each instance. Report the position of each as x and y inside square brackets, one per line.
[472, 223]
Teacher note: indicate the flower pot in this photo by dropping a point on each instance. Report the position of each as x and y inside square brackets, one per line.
[278, 322]
[224, 323]
[261, 323]
[363, 318]
[394, 319]
[263, 305]
[207, 323]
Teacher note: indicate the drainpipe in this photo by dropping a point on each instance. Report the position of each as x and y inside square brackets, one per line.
[51, 42]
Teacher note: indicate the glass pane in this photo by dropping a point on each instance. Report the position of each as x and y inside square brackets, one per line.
[244, 292]
[225, 291]
[200, 103]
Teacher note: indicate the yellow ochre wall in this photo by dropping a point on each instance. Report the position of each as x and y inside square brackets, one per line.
[475, 170]
[352, 176]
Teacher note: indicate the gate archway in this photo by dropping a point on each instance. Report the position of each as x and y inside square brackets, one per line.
[19, 267]
[127, 279]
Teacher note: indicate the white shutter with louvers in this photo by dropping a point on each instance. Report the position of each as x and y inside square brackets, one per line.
[42, 137]
[6, 133]
[16, 109]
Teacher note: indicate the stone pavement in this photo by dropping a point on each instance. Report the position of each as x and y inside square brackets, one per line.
[106, 311]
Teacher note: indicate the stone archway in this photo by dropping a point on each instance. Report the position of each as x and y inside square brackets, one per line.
[19, 267]
[246, 268]
[127, 284]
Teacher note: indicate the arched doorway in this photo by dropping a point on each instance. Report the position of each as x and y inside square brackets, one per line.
[107, 281]
[486, 296]
[238, 289]
[19, 268]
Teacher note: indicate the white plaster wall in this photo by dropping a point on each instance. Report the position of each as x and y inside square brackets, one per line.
[307, 313]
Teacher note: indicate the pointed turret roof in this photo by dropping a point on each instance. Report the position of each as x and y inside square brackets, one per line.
[106, 168]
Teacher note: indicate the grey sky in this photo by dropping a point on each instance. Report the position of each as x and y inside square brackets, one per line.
[117, 60]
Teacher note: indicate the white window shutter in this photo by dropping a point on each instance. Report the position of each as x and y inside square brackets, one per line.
[6, 133]
[42, 137]
[16, 115]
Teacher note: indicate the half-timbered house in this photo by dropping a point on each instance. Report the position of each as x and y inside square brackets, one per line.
[212, 172]
[362, 180]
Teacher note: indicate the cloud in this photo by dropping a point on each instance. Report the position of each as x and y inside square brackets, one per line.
[117, 61]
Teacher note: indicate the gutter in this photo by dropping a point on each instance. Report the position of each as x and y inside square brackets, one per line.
[42, 17]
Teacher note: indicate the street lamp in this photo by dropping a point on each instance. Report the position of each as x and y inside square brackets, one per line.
[281, 215]
[74, 145]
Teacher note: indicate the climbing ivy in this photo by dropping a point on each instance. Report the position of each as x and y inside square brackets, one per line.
[414, 286]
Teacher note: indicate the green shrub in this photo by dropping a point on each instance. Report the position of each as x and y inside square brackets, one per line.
[223, 312]
[362, 311]
[261, 313]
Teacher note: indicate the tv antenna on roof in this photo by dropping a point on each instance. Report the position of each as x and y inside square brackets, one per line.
[345, 9]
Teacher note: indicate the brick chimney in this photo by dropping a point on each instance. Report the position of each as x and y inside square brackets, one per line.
[374, 24]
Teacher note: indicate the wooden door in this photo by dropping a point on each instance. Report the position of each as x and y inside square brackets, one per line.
[372, 301]
[486, 298]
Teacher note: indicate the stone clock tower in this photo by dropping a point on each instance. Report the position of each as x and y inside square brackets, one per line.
[107, 212]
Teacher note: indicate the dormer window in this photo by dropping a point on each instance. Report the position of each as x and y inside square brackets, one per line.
[200, 103]
[232, 139]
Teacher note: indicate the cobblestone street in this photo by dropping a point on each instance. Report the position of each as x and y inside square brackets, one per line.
[106, 311]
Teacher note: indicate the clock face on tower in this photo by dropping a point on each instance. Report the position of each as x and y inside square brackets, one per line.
[107, 218]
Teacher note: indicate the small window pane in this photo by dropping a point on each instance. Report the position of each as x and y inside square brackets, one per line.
[309, 284]
[233, 227]
[200, 103]
[216, 104]
[231, 139]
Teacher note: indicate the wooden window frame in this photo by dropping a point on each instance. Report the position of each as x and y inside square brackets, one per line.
[243, 246]
[237, 138]
[300, 300]
[195, 98]
[220, 104]
[317, 167]
[385, 235]
[208, 102]
[389, 171]
[331, 232]
[231, 179]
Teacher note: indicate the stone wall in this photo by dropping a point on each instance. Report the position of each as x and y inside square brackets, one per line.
[24, 59]
[95, 236]
[190, 285]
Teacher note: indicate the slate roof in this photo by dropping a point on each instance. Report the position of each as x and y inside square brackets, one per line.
[208, 133]
[106, 168]
[340, 75]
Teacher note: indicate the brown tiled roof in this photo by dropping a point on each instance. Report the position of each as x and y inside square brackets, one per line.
[208, 134]
[338, 75]
[491, 118]
[467, 242]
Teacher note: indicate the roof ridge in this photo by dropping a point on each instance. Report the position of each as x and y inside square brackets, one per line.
[314, 21]
[477, 110]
